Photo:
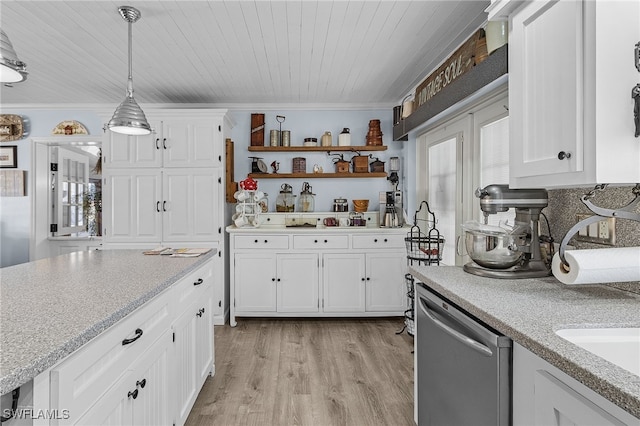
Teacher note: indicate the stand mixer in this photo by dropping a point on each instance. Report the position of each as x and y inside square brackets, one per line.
[528, 204]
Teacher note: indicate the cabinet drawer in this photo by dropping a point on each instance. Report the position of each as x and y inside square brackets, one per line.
[81, 379]
[191, 286]
[320, 241]
[261, 241]
[374, 241]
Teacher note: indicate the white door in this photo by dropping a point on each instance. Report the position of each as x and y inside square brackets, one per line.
[114, 408]
[191, 205]
[297, 282]
[546, 85]
[386, 289]
[151, 380]
[124, 151]
[196, 143]
[343, 282]
[132, 206]
[204, 338]
[185, 387]
[255, 282]
[72, 179]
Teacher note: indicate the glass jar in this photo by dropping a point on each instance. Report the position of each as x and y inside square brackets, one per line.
[263, 203]
[286, 201]
[306, 201]
[340, 205]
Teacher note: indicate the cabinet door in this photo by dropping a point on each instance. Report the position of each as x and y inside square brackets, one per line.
[386, 289]
[297, 282]
[343, 282]
[151, 379]
[192, 143]
[185, 381]
[191, 205]
[123, 151]
[546, 85]
[557, 404]
[255, 282]
[132, 206]
[204, 338]
[115, 408]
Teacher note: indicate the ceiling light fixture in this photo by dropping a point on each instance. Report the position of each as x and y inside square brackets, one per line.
[12, 69]
[129, 117]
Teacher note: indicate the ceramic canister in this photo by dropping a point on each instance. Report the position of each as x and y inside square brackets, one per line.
[344, 138]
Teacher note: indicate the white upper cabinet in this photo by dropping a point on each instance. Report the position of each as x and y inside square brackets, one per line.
[178, 139]
[571, 72]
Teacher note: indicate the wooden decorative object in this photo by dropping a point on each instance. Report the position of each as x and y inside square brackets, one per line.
[360, 164]
[12, 183]
[11, 127]
[461, 62]
[231, 186]
[69, 128]
[342, 166]
[299, 165]
[257, 129]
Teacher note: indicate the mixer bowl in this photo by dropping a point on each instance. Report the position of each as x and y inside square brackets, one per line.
[493, 248]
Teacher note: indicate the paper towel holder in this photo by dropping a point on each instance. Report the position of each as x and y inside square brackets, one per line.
[626, 212]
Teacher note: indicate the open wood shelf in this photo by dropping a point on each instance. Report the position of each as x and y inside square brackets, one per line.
[316, 175]
[351, 148]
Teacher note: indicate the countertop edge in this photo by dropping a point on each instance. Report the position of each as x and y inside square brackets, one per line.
[605, 388]
[20, 376]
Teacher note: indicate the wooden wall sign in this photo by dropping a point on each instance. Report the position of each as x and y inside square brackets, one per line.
[11, 127]
[257, 129]
[462, 60]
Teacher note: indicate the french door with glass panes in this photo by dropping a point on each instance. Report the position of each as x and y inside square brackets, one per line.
[467, 152]
[69, 185]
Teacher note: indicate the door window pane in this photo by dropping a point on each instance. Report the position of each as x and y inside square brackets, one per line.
[442, 193]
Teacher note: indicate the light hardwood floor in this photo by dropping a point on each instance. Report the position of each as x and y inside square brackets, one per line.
[309, 372]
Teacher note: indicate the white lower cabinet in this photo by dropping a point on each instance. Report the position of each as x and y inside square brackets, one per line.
[363, 282]
[149, 367]
[140, 396]
[544, 395]
[268, 282]
[318, 274]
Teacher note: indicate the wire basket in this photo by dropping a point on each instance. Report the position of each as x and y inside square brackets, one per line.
[424, 247]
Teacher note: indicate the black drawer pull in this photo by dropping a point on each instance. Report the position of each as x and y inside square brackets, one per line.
[385, 240]
[138, 335]
[266, 241]
[375, 240]
[200, 281]
[315, 241]
[157, 140]
[164, 206]
[133, 394]
[164, 143]
[142, 383]
[200, 312]
[326, 241]
[255, 241]
[158, 206]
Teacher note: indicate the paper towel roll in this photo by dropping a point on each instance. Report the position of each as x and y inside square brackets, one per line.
[611, 265]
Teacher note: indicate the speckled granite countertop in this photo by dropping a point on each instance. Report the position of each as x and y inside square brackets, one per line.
[529, 311]
[51, 307]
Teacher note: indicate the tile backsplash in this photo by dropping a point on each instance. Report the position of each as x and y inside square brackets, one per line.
[564, 204]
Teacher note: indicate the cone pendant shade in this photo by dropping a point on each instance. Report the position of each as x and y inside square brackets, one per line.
[12, 69]
[129, 118]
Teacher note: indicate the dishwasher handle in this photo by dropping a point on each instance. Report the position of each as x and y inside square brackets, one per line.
[466, 340]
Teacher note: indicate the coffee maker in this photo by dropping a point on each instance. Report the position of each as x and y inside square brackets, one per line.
[391, 211]
[528, 204]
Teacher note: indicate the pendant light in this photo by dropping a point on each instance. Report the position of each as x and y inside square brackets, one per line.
[12, 70]
[129, 118]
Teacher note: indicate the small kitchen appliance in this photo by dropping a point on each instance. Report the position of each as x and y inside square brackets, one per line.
[508, 254]
[391, 212]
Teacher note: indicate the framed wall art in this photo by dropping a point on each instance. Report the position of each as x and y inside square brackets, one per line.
[8, 157]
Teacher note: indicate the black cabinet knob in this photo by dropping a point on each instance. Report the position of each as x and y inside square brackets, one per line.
[133, 394]
[142, 383]
[562, 155]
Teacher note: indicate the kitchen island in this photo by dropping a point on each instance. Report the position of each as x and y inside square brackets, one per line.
[55, 310]
[530, 311]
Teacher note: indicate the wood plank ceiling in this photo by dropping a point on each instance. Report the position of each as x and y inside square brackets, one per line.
[233, 52]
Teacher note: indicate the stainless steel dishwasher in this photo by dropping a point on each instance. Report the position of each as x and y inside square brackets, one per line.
[463, 368]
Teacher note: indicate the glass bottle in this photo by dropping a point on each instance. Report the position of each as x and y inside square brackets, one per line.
[285, 203]
[306, 200]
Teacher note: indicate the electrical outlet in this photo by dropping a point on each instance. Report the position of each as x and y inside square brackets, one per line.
[601, 232]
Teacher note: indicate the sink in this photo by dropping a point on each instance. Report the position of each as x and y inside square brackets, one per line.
[620, 346]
